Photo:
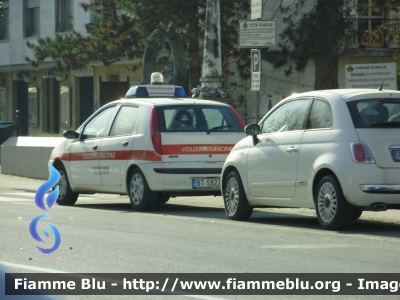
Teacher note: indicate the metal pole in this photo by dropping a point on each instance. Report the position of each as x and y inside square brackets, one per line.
[257, 106]
[17, 116]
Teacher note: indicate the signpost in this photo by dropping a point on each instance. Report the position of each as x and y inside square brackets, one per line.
[256, 77]
[371, 76]
[256, 33]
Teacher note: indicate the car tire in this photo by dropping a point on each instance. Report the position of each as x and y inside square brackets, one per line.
[357, 214]
[333, 210]
[235, 201]
[140, 195]
[162, 198]
[65, 195]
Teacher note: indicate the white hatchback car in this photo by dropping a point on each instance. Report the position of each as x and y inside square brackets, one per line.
[152, 147]
[334, 150]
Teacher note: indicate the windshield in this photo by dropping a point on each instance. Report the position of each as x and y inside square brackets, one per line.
[375, 113]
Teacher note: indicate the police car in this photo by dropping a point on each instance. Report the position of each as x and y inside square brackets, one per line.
[152, 145]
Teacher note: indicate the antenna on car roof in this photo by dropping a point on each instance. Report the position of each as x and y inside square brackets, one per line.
[380, 88]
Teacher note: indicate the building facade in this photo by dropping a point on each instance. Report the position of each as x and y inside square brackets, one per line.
[48, 102]
[275, 85]
[39, 100]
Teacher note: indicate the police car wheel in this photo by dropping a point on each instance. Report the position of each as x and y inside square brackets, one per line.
[142, 198]
[235, 201]
[65, 195]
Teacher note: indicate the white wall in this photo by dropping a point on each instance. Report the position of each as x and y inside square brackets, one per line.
[14, 51]
[80, 17]
[27, 156]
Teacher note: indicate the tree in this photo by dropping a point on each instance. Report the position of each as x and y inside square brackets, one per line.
[113, 36]
[322, 34]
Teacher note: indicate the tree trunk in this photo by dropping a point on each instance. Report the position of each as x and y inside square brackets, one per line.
[329, 31]
[326, 72]
[194, 71]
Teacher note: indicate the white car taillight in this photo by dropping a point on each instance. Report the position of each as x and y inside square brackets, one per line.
[361, 153]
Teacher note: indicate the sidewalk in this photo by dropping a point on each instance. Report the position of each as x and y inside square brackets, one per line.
[31, 185]
[21, 183]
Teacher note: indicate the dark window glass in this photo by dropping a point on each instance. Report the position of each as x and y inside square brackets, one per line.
[32, 18]
[96, 126]
[64, 15]
[320, 115]
[375, 113]
[197, 118]
[4, 21]
[287, 117]
[124, 121]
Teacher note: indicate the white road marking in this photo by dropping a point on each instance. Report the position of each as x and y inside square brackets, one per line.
[306, 246]
[32, 195]
[31, 268]
[9, 199]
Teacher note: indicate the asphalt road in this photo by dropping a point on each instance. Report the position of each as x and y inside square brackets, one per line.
[101, 234]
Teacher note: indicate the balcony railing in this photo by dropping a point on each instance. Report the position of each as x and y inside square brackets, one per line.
[367, 36]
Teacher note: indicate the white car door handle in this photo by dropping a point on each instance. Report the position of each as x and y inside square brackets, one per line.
[292, 149]
[124, 144]
[95, 147]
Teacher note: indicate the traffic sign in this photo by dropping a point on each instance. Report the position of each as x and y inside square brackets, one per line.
[257, 33]
[255, 60]
[256, 9]
[255, 70]
[255, 81]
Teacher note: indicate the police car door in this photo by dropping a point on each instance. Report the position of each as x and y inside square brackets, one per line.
[84, 166]
[115, 148]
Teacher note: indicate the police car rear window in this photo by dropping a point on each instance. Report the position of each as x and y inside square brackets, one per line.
[197, 118]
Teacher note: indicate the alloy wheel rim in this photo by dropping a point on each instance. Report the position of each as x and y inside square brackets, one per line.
[327, 202]
[62, 185]
[137, 189]
[231, 195]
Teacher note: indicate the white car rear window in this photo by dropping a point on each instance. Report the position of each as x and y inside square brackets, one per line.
[375, 113]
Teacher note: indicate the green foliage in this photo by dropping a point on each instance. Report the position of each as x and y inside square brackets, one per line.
[187, 19]
[322, 33]
[114, 35]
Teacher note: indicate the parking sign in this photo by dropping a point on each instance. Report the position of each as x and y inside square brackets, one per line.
[255, 70]
[255, 60]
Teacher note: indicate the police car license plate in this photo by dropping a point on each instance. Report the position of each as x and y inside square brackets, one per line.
[205, 183]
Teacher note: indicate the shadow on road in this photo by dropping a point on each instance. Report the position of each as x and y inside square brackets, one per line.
[363, 227]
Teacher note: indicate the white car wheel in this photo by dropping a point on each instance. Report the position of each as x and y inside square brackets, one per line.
[235, 201]
[140, 195]
[333, 210]
[232, 196]
[327, 202]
